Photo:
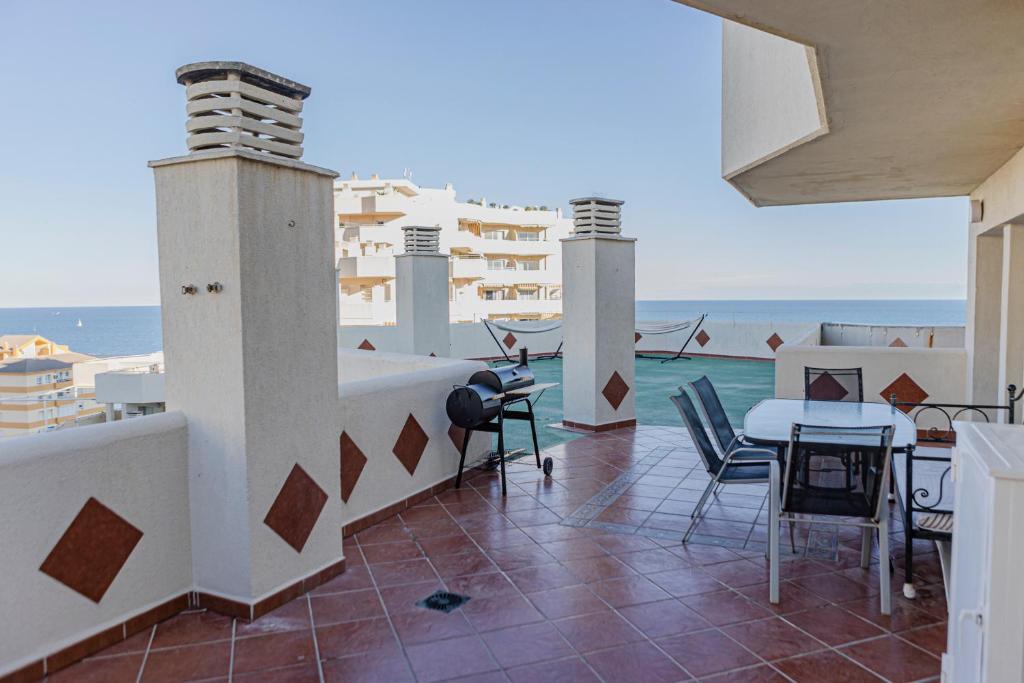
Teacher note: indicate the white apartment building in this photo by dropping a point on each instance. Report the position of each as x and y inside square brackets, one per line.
[505, 260]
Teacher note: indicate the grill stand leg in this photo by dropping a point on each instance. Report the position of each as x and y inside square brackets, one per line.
[501, 450]
[908, 529]
[462, 458]
[533, 432]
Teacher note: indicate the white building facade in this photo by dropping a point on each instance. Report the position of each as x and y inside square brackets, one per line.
[505, 261]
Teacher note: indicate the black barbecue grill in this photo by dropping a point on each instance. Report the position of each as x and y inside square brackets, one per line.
[487, 400]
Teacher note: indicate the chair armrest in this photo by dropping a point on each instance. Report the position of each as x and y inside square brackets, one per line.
[752, 454]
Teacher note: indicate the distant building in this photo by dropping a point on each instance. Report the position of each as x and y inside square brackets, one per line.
[28, 346]
[505, 260]
[39, 394]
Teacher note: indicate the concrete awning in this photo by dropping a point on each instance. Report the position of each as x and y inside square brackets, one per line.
[917, 98]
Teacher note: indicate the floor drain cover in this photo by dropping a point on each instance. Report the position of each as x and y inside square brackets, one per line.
[443, 601]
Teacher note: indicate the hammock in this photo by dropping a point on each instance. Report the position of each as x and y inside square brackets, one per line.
[649, 328]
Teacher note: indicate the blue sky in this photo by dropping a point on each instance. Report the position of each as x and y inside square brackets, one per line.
[528, 102]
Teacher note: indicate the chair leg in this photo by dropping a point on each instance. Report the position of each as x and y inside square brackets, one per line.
[773, 532]
[792, 534]
[697, 515]
[883, 561]
[865, 547]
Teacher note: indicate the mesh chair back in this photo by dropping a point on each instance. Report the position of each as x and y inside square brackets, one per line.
[714, 412]
[837, 470]
[834, 384]
[691, 419]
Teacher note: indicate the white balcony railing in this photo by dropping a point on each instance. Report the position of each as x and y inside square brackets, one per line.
[382, 267]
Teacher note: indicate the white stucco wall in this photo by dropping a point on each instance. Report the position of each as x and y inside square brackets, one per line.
[137, 468]
[374, 408]
[770, 96]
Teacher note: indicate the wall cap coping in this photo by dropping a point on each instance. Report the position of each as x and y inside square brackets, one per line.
[250, 155]
[218, 70]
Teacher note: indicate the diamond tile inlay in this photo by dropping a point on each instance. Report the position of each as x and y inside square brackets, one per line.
[92, 551]
[826, 388]
[411, 444]
[352, 463]
[637, 337]
[457, 434]
[509, 340]
[296, 508]
[703, 338]
[906, 390]
[615, 390]
[365, 345]
[774, 341]
[897, 343]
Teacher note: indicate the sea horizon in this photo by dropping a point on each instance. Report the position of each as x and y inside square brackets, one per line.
[130, 330]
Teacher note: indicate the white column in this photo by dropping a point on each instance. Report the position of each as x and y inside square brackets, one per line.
[984, 311]
[421, 295]
[1011, 318]
[598, 311]
[249, 295]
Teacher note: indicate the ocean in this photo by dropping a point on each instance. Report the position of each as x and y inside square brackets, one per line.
[127, 330]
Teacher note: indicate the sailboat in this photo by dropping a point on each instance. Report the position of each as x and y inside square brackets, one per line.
[78, 323]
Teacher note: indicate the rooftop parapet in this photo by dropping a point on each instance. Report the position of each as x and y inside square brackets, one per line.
[596, 215]
[421, 239]
[235, 105]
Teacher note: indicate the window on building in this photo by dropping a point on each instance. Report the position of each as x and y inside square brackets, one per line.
[387, 292]
[367, 295]
[529, 237]
[531, 294]
[497, 264]
[494, 235]
[494, 295]
[529, 265]
[555, 293]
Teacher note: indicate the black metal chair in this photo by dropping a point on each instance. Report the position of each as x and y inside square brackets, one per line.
[816, 482]
[727, 470]
[714, 414]
[834, 384]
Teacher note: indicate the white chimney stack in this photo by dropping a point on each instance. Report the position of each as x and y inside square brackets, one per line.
[596, 215]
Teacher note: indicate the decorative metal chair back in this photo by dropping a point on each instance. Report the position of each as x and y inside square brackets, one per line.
[695, 427]
[834, 384]
[722, 429]
[837, 470]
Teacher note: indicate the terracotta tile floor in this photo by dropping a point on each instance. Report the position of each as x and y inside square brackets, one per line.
[566, 587]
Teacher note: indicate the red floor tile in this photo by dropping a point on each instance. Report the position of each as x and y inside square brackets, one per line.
[423, 625]
[368, 667]
[904, 616]
[463, 564]
[772, 638]
[600, 568]
[520, 556]
[931, 638]
[191, 627]
[301, 673]
[353, 578]
[541, 577]
[684, 582]
[397, 573]
[391, 552]
[503, 611]
[293, 616]
[569, 601]
[834, 587]
[119, 669]
[332, 609]
[635, 662]
[738, 573]
[825, 666]
[628, 590]
[481, 585]
[353, 637]
[665, 618]
[188, 663]
[753, 674]
[528, 644]
[597, 631]
[274, 650]
[791, 598]
[894, 659]
[450, 659]
[706, 652]
[834, 625]
[447, 545]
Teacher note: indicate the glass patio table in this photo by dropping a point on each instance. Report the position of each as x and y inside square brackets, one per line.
[770, 422]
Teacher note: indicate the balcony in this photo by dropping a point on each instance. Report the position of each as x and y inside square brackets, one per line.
[137, 385]
[510, 277]
[522, 306]
[366, 268]
[467, 268]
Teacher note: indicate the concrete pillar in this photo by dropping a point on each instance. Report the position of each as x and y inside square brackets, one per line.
[1011, 318]
[598, 311]
[421, 294]
[248, 294]
[984, 311]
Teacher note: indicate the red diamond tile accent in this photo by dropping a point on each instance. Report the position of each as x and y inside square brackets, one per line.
[637, 337]
[365, 345]
[826, 388]
[411, 444]
[774, 341]
[897, 343]
[906, 390]
[456, 434]
[615, 390]
[509, 340]
[703, 338]
[296, 508]
[92, 551]
[353, 460]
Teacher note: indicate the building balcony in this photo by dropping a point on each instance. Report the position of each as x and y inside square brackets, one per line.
[137, 385]
[366, 268]
[520, 306]
[509, 277]
[467, 268]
